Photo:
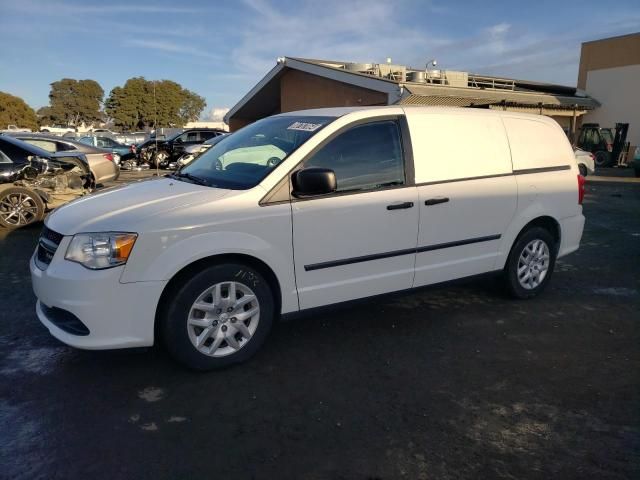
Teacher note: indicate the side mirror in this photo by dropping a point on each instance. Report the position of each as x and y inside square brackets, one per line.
[313, 181]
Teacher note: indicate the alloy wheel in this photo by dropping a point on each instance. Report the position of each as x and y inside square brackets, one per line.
[533, 264]
[223, 319]
[18, 209]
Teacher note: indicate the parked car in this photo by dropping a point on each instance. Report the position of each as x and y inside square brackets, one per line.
[124, 151]
[133, 138]
[33, 181]
[585, 161]
[362, 202]
[173, 147]
[58, 129]
[15, 129]
[102, 162]
[192, 152]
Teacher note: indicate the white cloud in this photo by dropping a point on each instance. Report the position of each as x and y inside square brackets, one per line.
[60, 8]
[170, 47]
[499, 29]
[216, 114]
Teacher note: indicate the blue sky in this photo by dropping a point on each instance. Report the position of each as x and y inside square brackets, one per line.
[221, 49]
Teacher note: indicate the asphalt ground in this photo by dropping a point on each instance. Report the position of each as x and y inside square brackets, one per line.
[456, 382]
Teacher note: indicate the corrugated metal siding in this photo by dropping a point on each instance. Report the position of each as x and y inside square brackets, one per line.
[484, 97]
[441, 101]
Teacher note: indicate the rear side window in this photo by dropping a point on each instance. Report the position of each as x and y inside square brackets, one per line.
[537, 144]
[455, 146]
[4, 158]
[365, 157]
[47, 145]
[207, 135]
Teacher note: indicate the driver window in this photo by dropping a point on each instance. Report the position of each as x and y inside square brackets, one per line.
[365, 157]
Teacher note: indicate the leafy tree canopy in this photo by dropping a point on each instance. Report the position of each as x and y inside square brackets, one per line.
[72, 102]
[135, 105]
[15, 111]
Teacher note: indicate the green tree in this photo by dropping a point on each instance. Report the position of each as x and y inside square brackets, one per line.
[147, 103]
[15, 111]
[72, 102]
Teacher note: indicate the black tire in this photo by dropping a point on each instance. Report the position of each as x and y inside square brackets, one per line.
[160, 159]
[513, 286]
[173, 316]
[583, 170]
[602, 158]
[12, 195]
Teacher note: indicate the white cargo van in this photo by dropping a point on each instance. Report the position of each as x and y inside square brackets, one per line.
[307, 209]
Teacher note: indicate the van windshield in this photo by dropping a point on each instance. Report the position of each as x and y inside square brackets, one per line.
[241, 160]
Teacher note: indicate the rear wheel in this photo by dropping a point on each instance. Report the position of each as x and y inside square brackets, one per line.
[19, 207]
[530, 263]
[583, 170]
[221, 316]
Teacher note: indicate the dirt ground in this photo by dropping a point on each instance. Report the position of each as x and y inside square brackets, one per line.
[442, 383]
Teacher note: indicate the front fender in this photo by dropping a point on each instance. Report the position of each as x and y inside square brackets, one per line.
[180, 249]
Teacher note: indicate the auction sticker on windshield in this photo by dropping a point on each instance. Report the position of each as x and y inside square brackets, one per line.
[306, 127]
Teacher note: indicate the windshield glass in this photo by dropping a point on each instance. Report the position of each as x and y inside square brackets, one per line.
[607, 135]
[240, 161]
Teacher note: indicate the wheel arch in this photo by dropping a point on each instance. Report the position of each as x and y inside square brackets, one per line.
[198, 265]
[515, 231]
[548, 223]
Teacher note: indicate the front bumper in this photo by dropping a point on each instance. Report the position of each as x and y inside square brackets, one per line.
[117, 315]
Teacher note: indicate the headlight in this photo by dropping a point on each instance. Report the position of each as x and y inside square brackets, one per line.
[101, 250]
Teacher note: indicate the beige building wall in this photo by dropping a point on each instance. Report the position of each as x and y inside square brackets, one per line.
[618, 90]
[610, 72]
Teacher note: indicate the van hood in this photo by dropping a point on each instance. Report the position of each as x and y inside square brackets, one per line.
[126, 208]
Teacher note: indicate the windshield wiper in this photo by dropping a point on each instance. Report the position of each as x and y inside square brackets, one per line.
[193, 178]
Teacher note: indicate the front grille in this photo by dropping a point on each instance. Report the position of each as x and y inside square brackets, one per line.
[47, 246]
[55, 237]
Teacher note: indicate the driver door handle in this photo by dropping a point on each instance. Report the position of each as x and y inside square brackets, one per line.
[436, 201]
[399, 206]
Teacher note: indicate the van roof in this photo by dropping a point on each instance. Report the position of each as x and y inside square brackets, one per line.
[411, 109]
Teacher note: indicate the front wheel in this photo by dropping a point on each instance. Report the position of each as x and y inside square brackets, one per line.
[602, 159]
[219, 317]
[159, 159]
[530, 263]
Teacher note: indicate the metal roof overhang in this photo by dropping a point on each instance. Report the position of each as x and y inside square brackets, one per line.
[264, 98]
[463, 97]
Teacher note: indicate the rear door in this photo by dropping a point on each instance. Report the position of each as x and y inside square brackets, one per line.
[467, 193]
[359, 241]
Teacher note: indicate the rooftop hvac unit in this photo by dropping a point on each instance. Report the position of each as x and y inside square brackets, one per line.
[456, 78]
[359, 67]
[393, 72]
[417, 77]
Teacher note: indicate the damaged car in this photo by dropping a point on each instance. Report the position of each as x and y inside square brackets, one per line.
[34, 181]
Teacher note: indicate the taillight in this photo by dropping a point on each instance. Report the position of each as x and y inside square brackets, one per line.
[108, 156]
[581, 182]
